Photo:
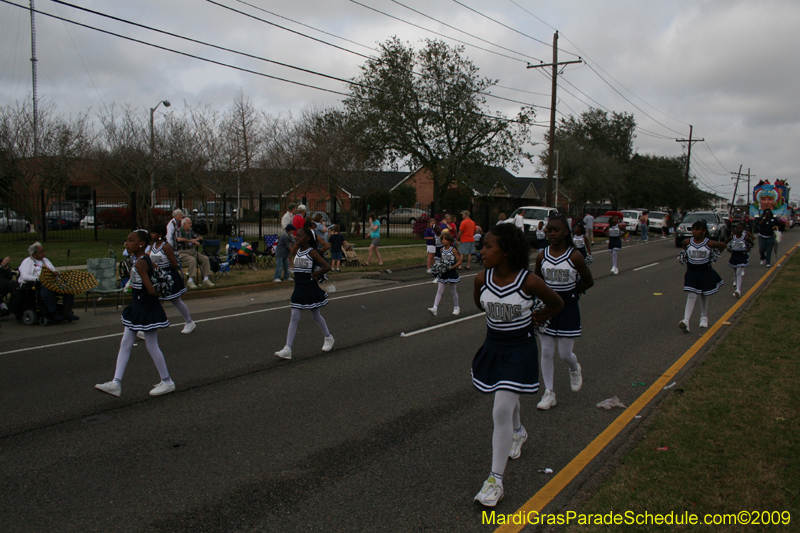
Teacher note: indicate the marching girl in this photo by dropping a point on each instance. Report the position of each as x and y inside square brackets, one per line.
[507, 364]
[163, 256]
[563, 269]
[541, 237]
[700, 278]
[739, 244]
[579, 240]
[450, 277]
[614, 233]
[143, 314]
[307, 292]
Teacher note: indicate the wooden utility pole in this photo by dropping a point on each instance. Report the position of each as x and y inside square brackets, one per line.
[736, 187]
[688, 162]
[551, 145]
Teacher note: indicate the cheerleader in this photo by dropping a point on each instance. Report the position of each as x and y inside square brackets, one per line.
[143, 314]
[700, 278]
[579, 240]
[309, 268]
[507, 363]
[563, 269]
[452, 259]
[163, 256]
[614, 233]
[541, 237]
[739, 244]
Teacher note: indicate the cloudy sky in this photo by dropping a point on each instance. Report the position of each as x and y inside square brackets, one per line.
[727, 67]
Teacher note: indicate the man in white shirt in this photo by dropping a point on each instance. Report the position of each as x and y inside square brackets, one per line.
[288, 215]
[29, 271]
[588, 222]
[172, 228]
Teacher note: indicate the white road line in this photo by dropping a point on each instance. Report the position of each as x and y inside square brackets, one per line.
[31, 348]
[440, 325]
[646, 266]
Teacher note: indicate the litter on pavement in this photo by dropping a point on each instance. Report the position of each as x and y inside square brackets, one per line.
[611, 402]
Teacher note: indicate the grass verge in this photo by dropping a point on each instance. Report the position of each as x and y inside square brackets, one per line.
[732, 435]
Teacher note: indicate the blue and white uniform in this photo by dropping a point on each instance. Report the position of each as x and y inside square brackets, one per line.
[541, 239]
[614, 238]
[740, 257]
[579, 241]
[145, 312]
[560, 274]
[450, 276]
[307, 292]
[160, 259]
[509, 358]
[700, 278]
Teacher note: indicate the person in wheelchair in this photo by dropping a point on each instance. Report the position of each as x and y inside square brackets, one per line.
[6, 283]
[29, 271]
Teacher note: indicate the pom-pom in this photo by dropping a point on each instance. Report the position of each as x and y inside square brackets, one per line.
[161, 280]
[589, 260]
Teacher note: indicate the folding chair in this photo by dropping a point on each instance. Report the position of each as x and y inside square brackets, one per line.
[104, 269]
[269, 251]
[234, 257]
[218, 266]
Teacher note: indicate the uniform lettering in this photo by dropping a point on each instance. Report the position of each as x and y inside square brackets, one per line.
[556, 275]
[503, 312]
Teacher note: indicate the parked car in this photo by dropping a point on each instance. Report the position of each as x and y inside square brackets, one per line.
[631, 219]
[404, 215]
[717, 230]
[64, 215]
[10, 222]
[600, 225]
[655, 221]
[532, 215]
[88, 221]
[225, 220]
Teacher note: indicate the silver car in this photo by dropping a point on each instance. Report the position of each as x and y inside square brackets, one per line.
[717, 230]
[10, 222]
[404, 215]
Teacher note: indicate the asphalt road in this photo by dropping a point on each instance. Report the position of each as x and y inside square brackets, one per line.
[384, 433]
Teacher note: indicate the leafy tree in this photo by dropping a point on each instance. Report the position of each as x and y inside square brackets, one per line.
[404, 195]
[438, 118]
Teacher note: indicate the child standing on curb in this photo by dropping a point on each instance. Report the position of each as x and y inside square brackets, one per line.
[700, 279]
[562, 268]
[452, 260]
[336, 240]
[143, 314]
[282, 247]
[307, 292]
[739, 244]
[507, 364]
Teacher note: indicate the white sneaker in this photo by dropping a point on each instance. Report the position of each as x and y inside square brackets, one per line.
[163, 388]
[276, 280]
[327, 344]
[433, 310]
[737, 294]
[140, 335]
[456, 310]
[112, 387]
[189, 327]
[428, 271]
[190, 285]
[435, 280]
[703, 322]
[576, 379]
[616, 271]
[491, 493]
[762, 262]
[286, 353]
[516, 443]
[207, 283]
[684, 325]
[548, 400]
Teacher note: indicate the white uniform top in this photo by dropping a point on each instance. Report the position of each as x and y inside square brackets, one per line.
[579, 241]
[507, 308]
[158, 257]
[540, 234]
[739, 244]
[698, 254]
[136, 279]
[558, 272]
[613, 231]
[303, 261]
[448, 256]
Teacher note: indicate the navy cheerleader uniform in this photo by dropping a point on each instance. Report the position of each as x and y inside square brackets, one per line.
[509, 358]
[560, 274]
[700, 278]
[614, 238]
[449, 276]
[579, 241]
[145, 312]
[740, 257]
[541, 239]
[307, 292]
[160, 259]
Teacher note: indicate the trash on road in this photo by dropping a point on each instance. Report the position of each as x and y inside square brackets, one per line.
[662, 448]
[670, 385]
[331, 287]
[638, 384]
[546, 471]
[608, 403]
[658, 294]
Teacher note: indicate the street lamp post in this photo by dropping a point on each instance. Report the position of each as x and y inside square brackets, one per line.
[153, 151]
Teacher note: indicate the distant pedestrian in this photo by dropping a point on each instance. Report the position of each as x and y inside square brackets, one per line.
[700, 279]
[739, 244]
[452, 260]
[309, 268]
[375, 235]
[767, 224]
[337, 242]
[643, 225]
[282, 247]
[519, 221]
[588, 221]
[501, 219]
[287, 217]
[541, 237]
[507, 364]
[466, 235]
[430, 243]
[614, 233]
[665, 225]
[299, 219]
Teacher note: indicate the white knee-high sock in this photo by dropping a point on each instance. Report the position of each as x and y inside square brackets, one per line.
[439, 293]
[151, 341]
[703, 306]
[320, 322]
[182, 309]
[691, 298]
[739, 276]
[614, 258]
[454, 292]
[565, 345]
[505, 404]
[124, 355]
[290, 334]
[548, 353]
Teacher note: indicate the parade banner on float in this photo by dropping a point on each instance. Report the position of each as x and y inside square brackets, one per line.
[774, 197]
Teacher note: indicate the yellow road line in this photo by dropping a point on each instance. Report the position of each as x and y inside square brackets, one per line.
[565, 476]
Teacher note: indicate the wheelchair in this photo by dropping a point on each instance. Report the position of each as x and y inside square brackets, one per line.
[28, 307]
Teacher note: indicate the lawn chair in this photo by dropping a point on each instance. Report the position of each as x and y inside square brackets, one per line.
[218, 265]
[270, 241]
[104, 269]
[235, 255]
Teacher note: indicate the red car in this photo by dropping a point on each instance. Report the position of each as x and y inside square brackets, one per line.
[601, 223]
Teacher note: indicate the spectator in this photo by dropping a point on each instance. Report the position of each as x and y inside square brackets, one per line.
[502, 218]
[299, 220]
[644, 220]
[30, 269]
[6, 283]
[287, 217]
[466, 235]
[375, 235]
[665, 224]
[588, 222]
[430, 243]
[190, 257]
[284, 244]
[172, 228]
[336, 240]
[519, 221]
[320, 230]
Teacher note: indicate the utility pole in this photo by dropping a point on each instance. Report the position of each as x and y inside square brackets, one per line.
[688, 161]
[33, 75]
[736, 187]
[551, 145]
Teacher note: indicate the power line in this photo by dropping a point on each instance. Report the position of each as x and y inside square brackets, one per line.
[708, 147]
